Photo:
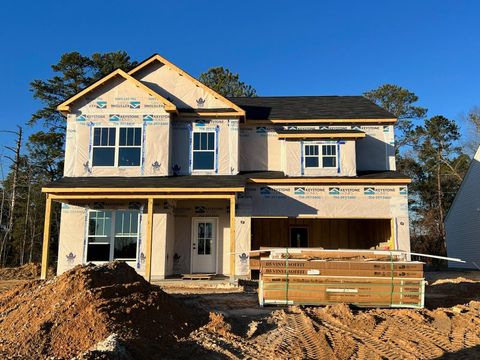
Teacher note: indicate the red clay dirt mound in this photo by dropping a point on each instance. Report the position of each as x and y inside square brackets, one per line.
[26, 272]
[70, 314]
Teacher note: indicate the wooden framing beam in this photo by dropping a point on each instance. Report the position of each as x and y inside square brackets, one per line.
[391, 241]
[232, 237]
[320, 181]
[148, 245]
[157, 191]
[59, 197]
[46, 237]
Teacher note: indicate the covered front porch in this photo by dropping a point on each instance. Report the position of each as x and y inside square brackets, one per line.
[159, 231]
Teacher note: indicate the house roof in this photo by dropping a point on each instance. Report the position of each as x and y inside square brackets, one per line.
[65, 106]
[208, 183]
[305, 108]
[363, 177]
[162, 60]
[320, 134]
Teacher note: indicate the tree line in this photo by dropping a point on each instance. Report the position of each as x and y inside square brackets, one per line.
[430, 150]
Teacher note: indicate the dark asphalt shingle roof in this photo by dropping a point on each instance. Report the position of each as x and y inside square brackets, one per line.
[310, 107]
[186, 181]
[194, 181]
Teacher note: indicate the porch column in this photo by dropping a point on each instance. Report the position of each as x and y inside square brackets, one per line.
[46, 237]
[232, 237]
[148, 250]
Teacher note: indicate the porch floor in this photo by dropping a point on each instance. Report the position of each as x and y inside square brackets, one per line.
[177, 285]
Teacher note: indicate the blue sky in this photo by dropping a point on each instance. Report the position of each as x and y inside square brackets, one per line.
[279, 47]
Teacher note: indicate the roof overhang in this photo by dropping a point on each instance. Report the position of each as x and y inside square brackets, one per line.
[325, 121]
[331, 180]
[65, 107]
[140, 190]
[322, 134]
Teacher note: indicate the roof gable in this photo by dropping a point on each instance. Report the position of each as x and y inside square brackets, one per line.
[65, 106]
[181, 88]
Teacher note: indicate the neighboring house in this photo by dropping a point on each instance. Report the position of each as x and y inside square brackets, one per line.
[168, 175]
[462, 222]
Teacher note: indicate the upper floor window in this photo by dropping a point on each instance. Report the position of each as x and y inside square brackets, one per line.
[104, 146]
[130, 147]
[117, 147]
[204, 150]
[320, 155]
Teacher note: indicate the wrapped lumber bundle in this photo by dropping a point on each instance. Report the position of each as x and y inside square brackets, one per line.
[320, 277]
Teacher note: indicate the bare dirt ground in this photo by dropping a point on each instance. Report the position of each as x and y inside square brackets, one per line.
[111, 313]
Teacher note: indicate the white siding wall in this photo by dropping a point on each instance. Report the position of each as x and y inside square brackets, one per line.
[463, 219]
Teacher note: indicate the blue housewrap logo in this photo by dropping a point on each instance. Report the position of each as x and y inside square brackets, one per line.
[369, 191]
[334, 191]
[147, 117]
[200, 123]
[403, 190]
[134, 104]
[299, 191]
[81, 118]
[101, 104]
[261, 130]
[200, 209]
[386, 128]
[265, 190]
[114, 118]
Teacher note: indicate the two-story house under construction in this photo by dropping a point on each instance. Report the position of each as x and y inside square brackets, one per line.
[173, 178]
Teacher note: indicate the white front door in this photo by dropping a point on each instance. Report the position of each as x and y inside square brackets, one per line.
[204, 244]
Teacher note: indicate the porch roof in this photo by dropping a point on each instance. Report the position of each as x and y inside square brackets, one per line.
[220, 184]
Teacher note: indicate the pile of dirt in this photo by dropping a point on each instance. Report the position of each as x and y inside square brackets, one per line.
[90, 308]
[26, 272]
[452, 291]
[338, 332]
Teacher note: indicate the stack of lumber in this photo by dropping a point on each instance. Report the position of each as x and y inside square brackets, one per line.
[320, 277]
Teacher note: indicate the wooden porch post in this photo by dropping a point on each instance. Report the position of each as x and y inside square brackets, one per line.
[148, 250]
[232, 237]
[391, 241]
[46, 237]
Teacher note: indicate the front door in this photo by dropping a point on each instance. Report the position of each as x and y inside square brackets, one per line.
[204, 243]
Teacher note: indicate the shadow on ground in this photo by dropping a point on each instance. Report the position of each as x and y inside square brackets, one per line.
[467, 353]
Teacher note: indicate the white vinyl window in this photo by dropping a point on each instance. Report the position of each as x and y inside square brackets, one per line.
[320, 155]
[203, 150]
[112, 235]
[117, 146]
[104, 140]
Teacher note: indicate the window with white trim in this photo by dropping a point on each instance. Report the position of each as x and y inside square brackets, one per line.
[203, 150]
[117, 147]
[112, 235]
[320, 155]
[104, 140]
[130, 147]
